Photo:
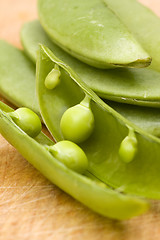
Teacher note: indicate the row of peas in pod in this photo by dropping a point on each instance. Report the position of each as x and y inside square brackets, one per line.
[94, 45]
[77, 122]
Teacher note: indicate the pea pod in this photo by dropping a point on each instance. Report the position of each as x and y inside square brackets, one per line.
[17, 77]
[135, 86]
[141, 175]
[17, 84]
[99, 198]
[91, 32]
[144, 25]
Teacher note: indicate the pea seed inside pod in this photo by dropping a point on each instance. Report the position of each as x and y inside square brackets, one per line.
[53, 78]
[27, 120]
[77, 122]
[128, 148]
[71, 155]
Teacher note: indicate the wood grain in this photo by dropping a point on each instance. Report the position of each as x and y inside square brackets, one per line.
[33, 208]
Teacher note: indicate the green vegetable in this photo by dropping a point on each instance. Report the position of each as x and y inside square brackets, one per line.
[91, 32]
[27, 120]
[126, 85]
[102, 148]
[112, 150]
[77, 122]
[71, 155]
[94, 195]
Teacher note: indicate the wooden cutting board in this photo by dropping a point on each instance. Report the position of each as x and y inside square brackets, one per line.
[33, 208]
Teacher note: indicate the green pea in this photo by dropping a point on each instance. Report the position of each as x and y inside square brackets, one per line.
[53, 78]
[71, 155]
[128, 147]
[77, 122]
[27, 120]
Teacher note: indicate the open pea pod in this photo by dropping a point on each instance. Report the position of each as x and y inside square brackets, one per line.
[17, 84]
[91, 193]
[91, 32]
[105, 148]
[142, 23]
[135, 86]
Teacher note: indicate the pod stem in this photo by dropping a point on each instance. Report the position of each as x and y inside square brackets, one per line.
[13, 115]
[50, 149]
[56, 67]
[86, 101]
[131, 134]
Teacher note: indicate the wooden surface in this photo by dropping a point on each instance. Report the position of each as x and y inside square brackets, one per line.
[33, 208]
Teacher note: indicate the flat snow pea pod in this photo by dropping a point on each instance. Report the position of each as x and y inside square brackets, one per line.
[142, 23]
[17, 77]
[97, 197]
[135, 86]
[19, 88]
[140, 176]
[91, 32]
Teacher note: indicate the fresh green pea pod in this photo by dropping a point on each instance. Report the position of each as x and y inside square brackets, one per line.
[97, 197]
[17, 84]
[135, 86]
[140, 176]
[142, 23]
[91, 32]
